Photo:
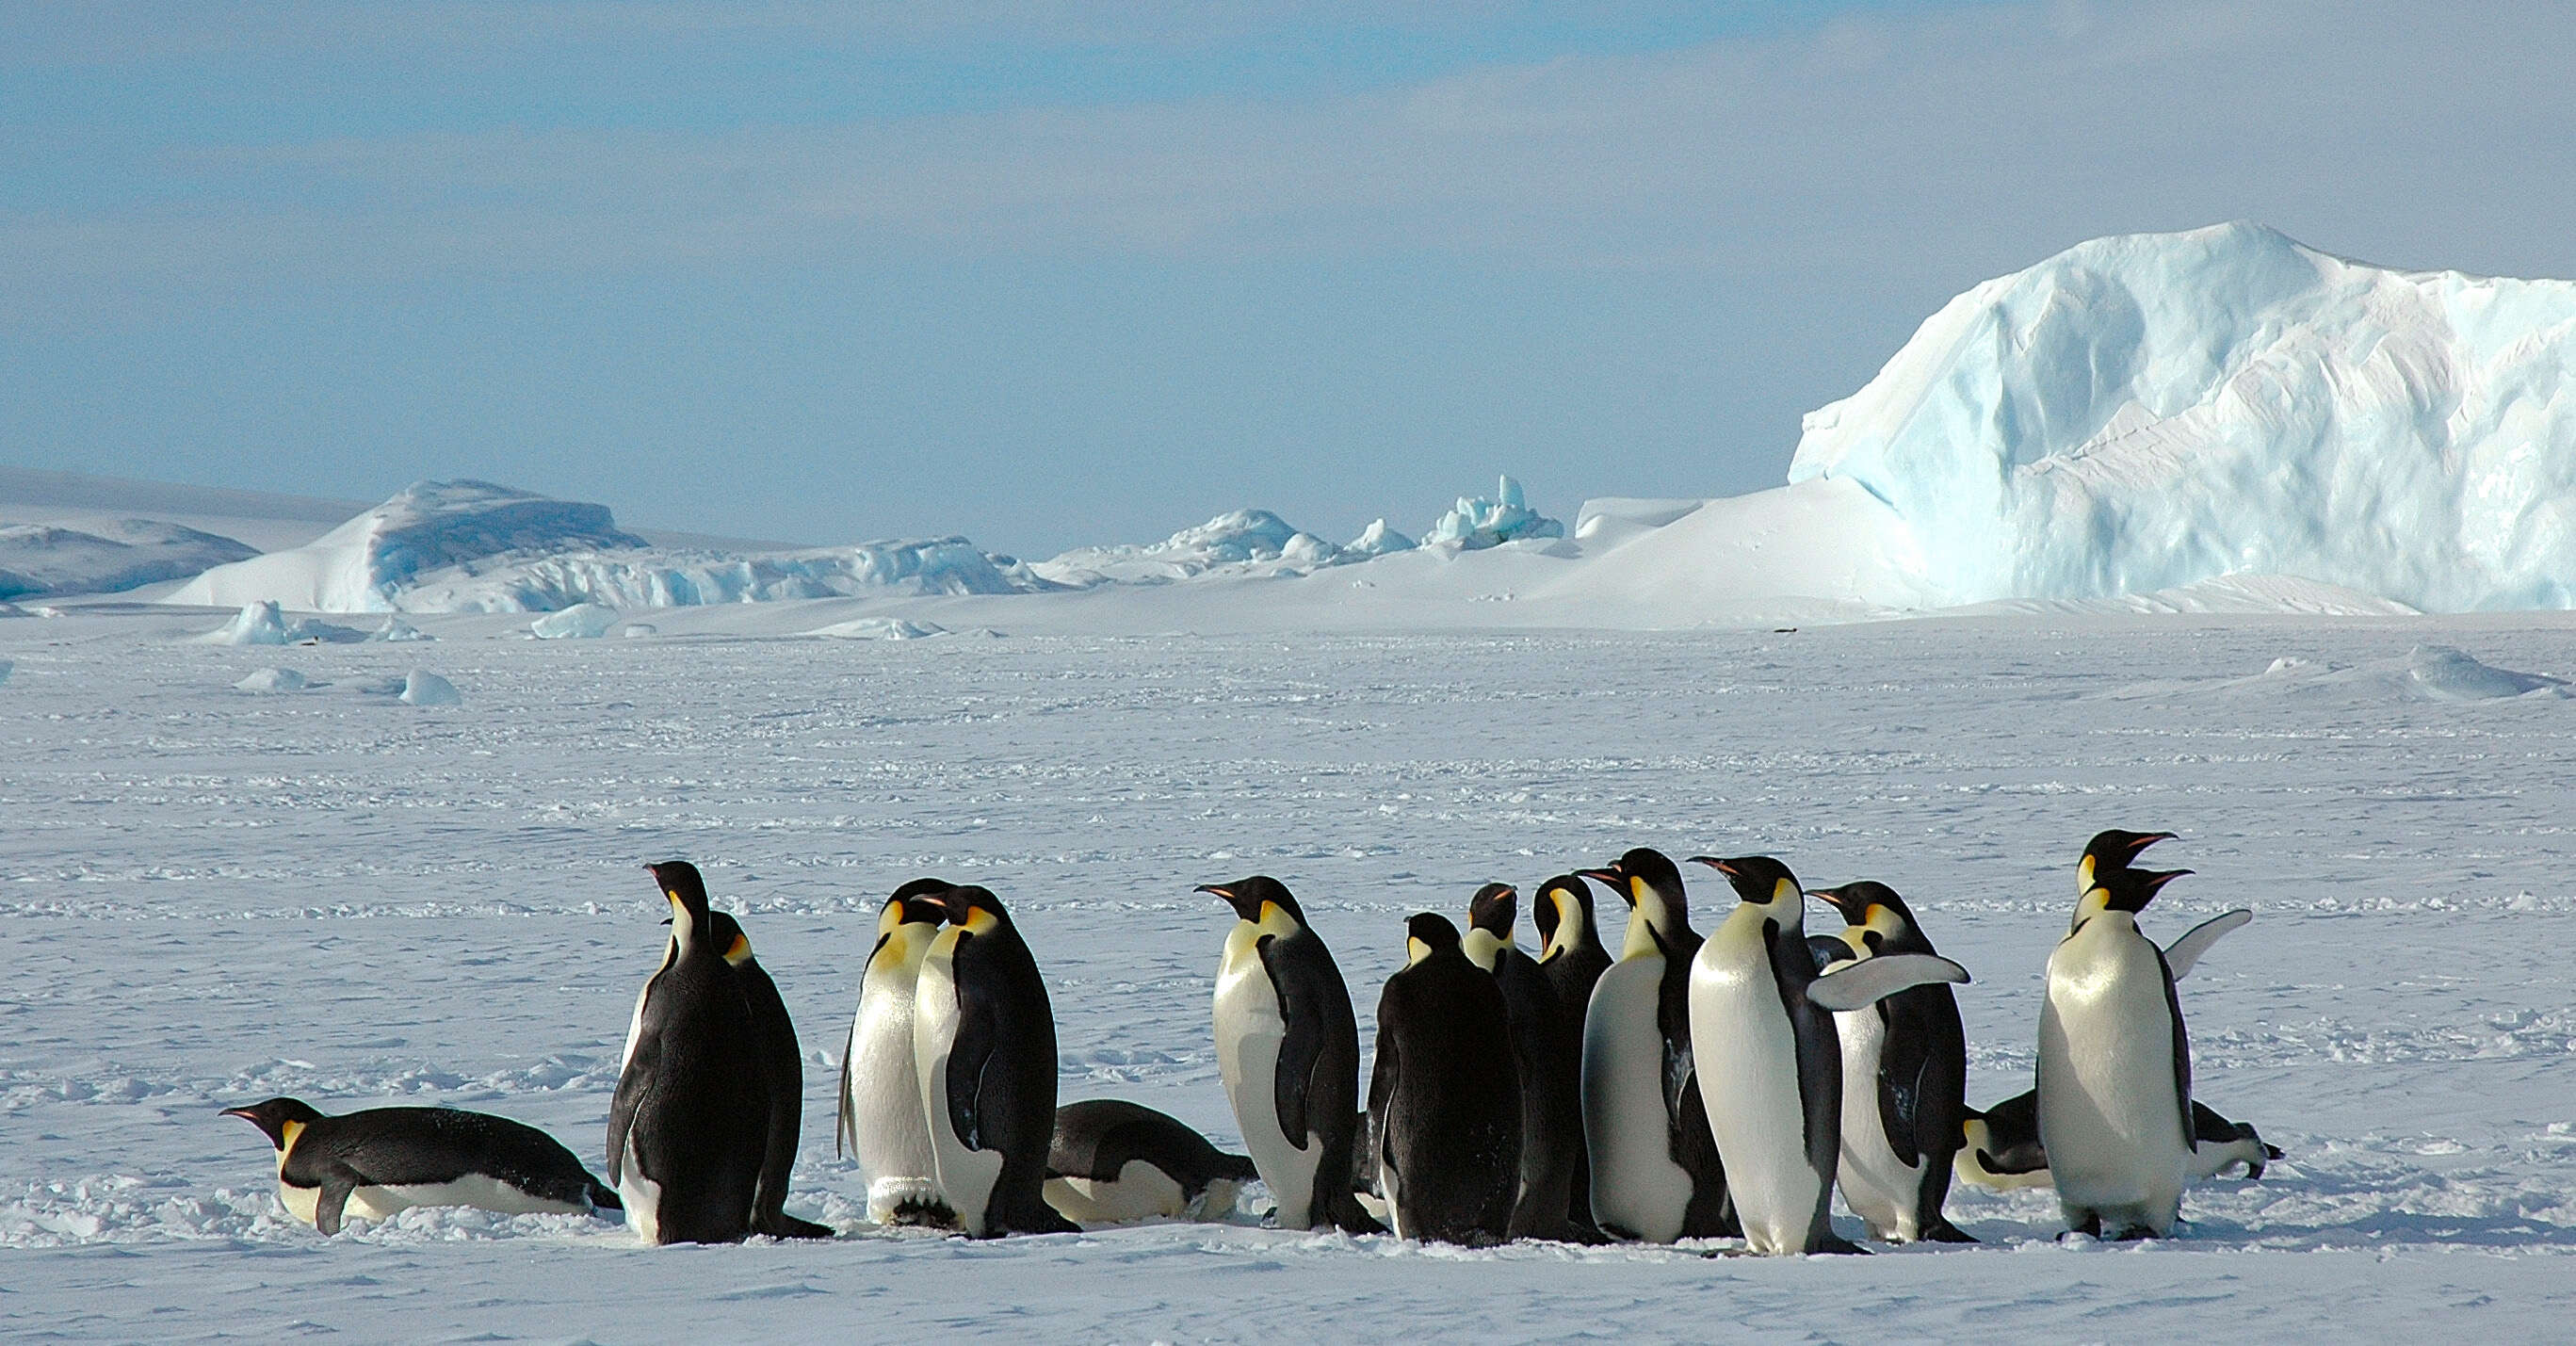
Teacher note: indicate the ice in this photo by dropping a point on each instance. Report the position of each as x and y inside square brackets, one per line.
[38, 560]
[261, 623]
[2448, 674]
[424, 688]
[273, 680]
[1244, 541]
[1377, 540]
[396, 629]
[879, 628]
[581, 621]
[2144, 412]
[1476, 522]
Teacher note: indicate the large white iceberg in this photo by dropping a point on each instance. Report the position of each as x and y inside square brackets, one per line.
[2144, 412]
[1245, 541]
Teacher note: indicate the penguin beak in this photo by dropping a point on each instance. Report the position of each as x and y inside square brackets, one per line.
[1609, 877]
[243, 1113]
[2145, 839]
[1714, 863]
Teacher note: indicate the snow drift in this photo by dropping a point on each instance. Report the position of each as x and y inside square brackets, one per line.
[2144, 412]
[40, 560]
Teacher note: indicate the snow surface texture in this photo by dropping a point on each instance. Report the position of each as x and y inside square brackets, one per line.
[38, 560]
[2144, 412]
[213, 897]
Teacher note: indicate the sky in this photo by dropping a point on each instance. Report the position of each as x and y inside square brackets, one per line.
[1051, 274]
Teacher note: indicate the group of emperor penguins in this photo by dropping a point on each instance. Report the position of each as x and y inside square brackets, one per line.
[1717, 1086]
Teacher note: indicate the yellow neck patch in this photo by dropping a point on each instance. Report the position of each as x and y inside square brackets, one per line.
[740, 951]
[287, 1135]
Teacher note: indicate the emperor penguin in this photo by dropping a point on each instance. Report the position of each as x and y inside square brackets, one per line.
[1548, 1056]
[2000, 1146]
[2114, 1078]
[1116, 1162]
[2110, 849]
[882, 1120]
[1573, 959]
[1288, 1047]
[688, 1128]
[1770, 1061]
[1905, 1079]
[1444, 1094]
[1656, 1175]
[983, 1045]
[782, 1064]
[373, 1163]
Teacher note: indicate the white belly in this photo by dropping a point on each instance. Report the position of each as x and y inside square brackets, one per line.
[966, 1177]
[1635, 1183]
[1880, 1187]
[1747, 1057]
[2107, 1111]
[1249, 1031]
[642, 1196]
[1139, 1192]
[890, 1128]
[378, 1204]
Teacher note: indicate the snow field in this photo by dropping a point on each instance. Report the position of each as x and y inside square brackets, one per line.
[214, 896]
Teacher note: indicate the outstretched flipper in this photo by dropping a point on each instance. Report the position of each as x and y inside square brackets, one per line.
[1874, 979]
[2184, 953]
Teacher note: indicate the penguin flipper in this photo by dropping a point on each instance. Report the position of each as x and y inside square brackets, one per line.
[2181, 1052]
[845, 1125]
[2184, 954]
[632, 1084]
[337, 1185]
[1874, 979]
[1302, 1046]
[971, 1058]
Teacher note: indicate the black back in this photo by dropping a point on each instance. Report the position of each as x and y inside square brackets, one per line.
[1444, 1096]
[1097, 1137]
[1318, 1083]
[1547, 1054]
[1573, 970]
[1002, 1066]
[2012, 1136]
[692, 1098]
[399, 1147]
[782, 1065]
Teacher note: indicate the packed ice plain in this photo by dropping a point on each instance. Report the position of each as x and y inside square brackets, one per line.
[215, 895]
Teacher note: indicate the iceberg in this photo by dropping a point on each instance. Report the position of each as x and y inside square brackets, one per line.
[1476, 522]
[1245, 541]
[581, 621]
[1377, 540]
[424, 688]
[40, 560]
[262, 623]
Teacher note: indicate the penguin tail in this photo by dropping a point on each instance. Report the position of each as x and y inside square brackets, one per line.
[603, 1197]
[1235, 1166]
[1836, 1243]
[1344, 1209]
[787, 1226]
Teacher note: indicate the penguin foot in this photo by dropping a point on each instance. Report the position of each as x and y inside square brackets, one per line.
[922, 1215]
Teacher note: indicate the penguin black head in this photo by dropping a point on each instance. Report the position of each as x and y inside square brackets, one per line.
[1646, 879]
[973, 909]
[1425, 934]
[1758, 879]
[275, 1117]
[1493, 909]
[2128, 890]
[729, 937]
[1872, 911]
[1249, 896]
[1563, 900]
[687, 894]
[2113, 849]
[913, 903]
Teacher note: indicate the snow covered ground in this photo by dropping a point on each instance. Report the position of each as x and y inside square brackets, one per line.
[213, 894]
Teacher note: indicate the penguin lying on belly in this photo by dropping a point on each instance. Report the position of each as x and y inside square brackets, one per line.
[1114, 1162]
[373, 1163]
[2001, 1149]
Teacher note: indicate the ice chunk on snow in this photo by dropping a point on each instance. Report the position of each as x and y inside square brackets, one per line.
[263, 624]
[581, 621]
[2144, 412]
[1245, 541]
[40, 559]
[396, 629]
[273, 680]
[6, 668]
[1476, 522]
[424, 688]
[1378, 540]
[879, 628]
[2448, 674]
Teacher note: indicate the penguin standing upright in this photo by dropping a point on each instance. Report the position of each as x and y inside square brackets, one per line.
[1656, 1175]
[1905, 1080]
[2114, 1077]
[1572, 958]
[689, 1125]
[1444, 1094]
[983, 1036]
[376, 1162]
[1770, 1062]
[783, 1066]
[1548, 1058]
[1288, 1047]
[882, 1119]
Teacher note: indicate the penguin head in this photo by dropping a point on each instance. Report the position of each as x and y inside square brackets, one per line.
[2128, 890]
[2112, 849]
[1872, 913]
[1760, 881]
[1493, 909]
[974, 910]
[1564, 904]
[687, 894]
[728, 936]
[1426, 934]
[1260, 900]
[278, 1119]
[914, 903]
[1652, 887]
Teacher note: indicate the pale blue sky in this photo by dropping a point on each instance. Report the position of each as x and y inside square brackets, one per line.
[1059, 273]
